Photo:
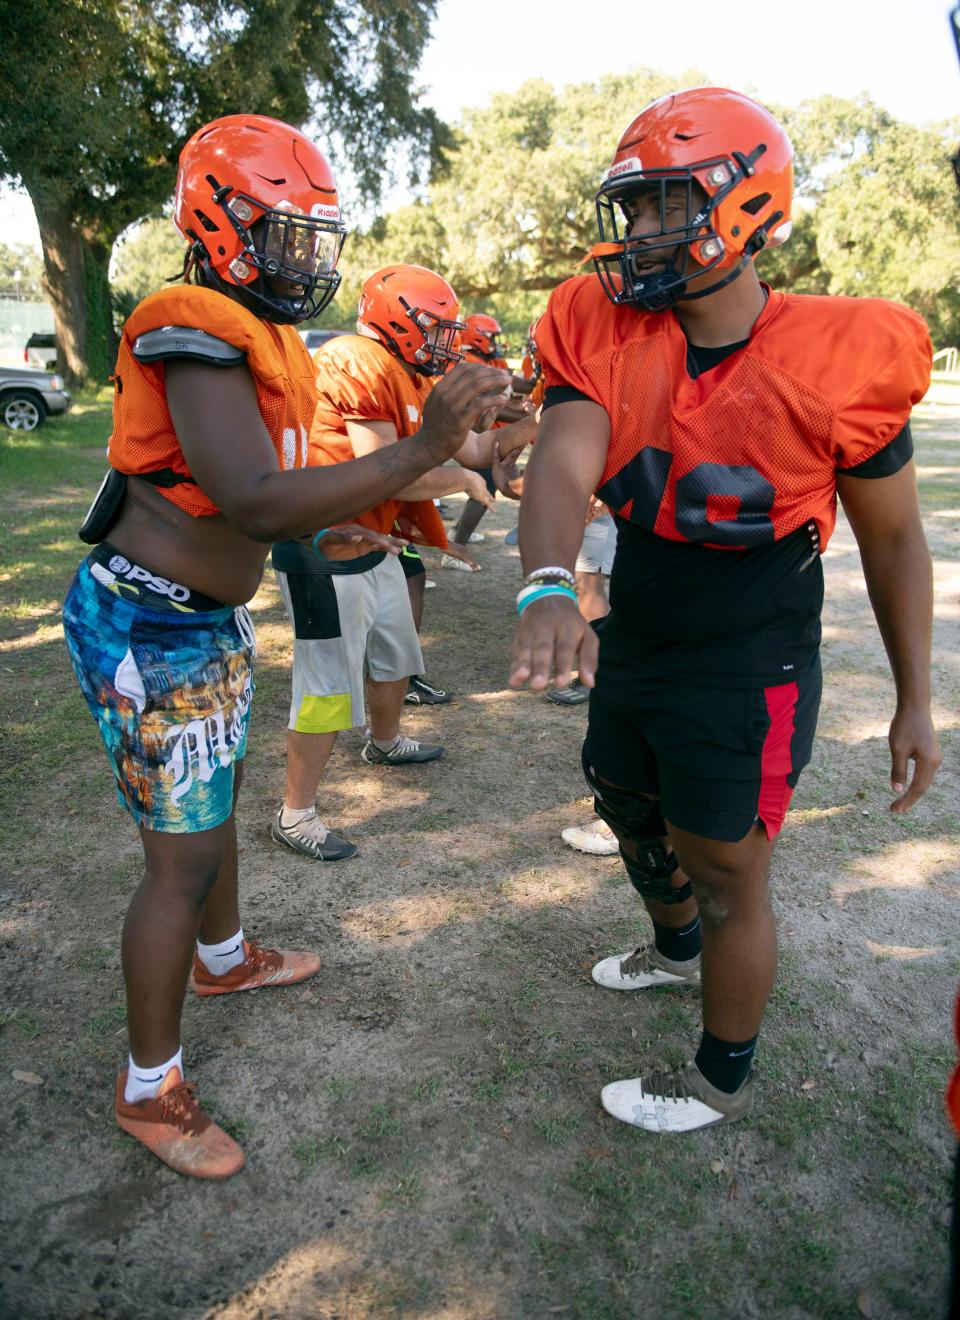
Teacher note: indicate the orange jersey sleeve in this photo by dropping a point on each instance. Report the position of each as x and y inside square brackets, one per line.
[894, 360]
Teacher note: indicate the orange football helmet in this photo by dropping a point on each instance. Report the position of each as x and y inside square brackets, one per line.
[741, 162]
[258, 203]
[481, 336]
[413, 312]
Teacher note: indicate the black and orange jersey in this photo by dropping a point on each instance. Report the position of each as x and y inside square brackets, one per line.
[144, 439]
[745, 453]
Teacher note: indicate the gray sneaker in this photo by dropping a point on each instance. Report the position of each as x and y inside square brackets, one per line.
[675, 1100]
[644, 967]
[405, 751]
[312, 838]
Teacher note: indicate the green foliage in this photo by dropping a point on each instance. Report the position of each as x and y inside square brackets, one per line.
[513, 214]
[23, 261]
[143, 260]
[96, 100]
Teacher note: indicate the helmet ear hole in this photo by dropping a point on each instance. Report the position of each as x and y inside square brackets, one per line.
[755, 204]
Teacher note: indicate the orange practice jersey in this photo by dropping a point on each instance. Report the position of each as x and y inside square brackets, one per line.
[144, 438]
[749, 451]
[358, 380]
[472, 355]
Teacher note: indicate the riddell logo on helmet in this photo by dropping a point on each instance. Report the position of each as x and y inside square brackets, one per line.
[631, 165]
[321, 211]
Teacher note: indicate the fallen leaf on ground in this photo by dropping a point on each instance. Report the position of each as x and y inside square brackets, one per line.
[404, 861]
[598, 1153]
[717, 1166]
[863, 1303]
[31, 1078]
[808, 1085]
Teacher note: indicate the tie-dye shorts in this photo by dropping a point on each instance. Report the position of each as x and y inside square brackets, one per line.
[171, 696]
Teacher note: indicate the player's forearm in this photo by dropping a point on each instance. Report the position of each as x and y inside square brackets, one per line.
[552, 514]
[481, 447]
[899, 579]
[433, 485]
[282, 505]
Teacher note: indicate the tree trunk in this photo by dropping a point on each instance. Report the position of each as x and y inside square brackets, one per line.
[76, 281]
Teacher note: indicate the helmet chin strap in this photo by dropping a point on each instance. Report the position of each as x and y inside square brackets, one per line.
[661, 299]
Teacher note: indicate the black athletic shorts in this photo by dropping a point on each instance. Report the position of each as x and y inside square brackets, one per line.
[719, 759]
[410, 561]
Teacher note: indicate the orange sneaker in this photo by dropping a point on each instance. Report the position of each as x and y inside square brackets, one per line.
[260, 967]
[175, 1129]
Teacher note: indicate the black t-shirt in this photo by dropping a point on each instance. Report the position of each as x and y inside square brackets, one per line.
[720, 618]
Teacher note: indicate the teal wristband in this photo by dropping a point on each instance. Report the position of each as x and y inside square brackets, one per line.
[528, 595]
[318, 536]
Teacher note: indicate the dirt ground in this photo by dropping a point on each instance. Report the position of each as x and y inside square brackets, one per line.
[421, 1120]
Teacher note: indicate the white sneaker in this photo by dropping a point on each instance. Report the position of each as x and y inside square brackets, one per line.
[476, 538]
[597, 838]
[675, 1100]
[644, 967]
[449, 561]
[428, 584]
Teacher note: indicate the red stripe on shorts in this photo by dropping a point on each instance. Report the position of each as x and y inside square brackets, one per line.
[775, 762]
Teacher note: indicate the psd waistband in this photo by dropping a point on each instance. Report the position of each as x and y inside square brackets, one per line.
[141, 586]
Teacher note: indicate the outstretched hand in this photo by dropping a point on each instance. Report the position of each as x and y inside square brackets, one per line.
[336, 542]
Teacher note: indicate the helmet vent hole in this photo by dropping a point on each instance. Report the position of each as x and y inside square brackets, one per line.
[755, 203]
[207, 223]
[400, 329]
[275, 183]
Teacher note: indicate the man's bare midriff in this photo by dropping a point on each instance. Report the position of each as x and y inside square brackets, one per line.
[205, 554]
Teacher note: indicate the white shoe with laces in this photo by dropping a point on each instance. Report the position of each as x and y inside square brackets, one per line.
[675, 1100]
[451, 561]
[596, 838]
[644, 967]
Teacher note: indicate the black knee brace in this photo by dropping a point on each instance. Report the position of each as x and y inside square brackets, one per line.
[637, 819]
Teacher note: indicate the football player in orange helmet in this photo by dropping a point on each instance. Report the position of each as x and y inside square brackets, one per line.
[215, 394]
[719, 420]
[481, 340]
[359, 616]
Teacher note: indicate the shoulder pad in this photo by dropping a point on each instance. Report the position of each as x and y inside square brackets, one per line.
[178, 341]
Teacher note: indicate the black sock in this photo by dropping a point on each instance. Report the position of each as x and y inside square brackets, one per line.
[725, 1063]
[678, 944]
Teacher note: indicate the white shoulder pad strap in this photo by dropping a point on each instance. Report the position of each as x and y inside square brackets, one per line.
[178, 341]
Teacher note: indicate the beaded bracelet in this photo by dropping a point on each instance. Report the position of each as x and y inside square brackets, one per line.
[319, 536]
[529, 594]
[539, 574]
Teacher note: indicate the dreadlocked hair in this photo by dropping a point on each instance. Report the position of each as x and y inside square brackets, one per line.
[190, 271]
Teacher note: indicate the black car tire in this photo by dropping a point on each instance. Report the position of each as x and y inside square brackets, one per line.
[22, 410]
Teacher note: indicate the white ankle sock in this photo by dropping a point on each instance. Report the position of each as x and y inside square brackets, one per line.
[385, 744]
[145, 1083]
[223, 957]
[293, 815]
